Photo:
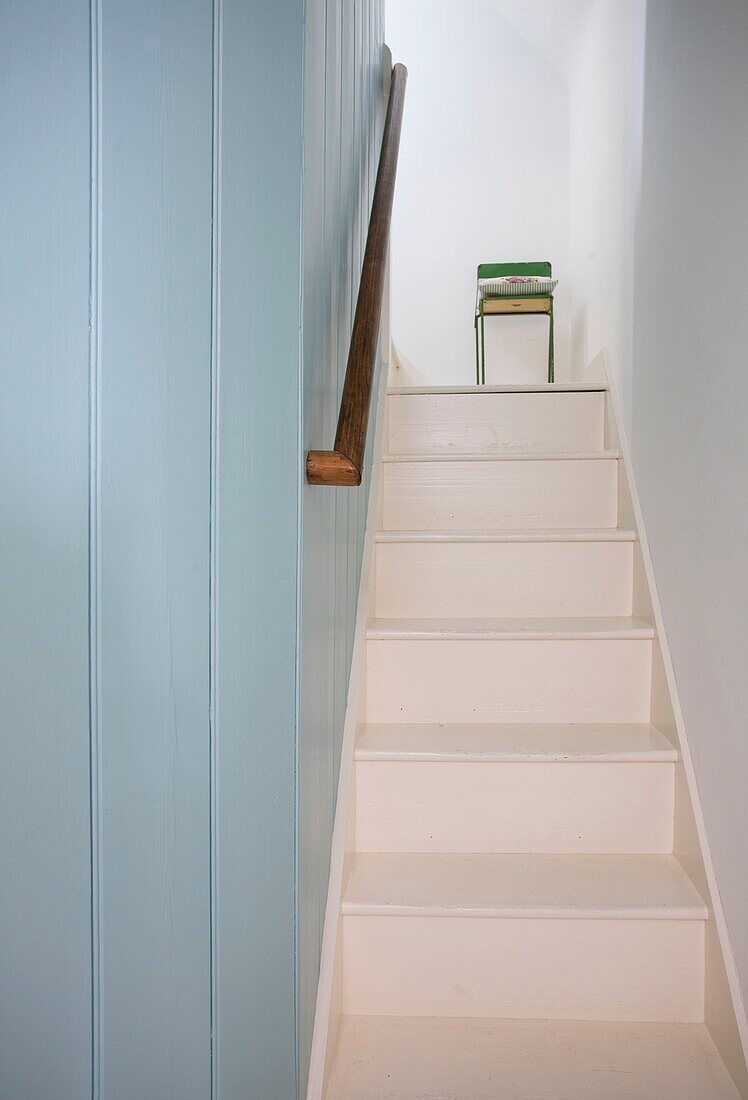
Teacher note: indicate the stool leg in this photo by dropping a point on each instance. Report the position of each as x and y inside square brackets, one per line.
[477, 353]
[482, 348]
[551, 369]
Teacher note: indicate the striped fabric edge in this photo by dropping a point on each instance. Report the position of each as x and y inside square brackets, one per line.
[524, 287]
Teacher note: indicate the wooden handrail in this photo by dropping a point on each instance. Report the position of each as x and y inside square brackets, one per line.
[344, 465]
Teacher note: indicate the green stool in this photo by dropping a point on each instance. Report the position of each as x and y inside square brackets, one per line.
[495, 305]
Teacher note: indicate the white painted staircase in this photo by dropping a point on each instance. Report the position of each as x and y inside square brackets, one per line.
[513, 921]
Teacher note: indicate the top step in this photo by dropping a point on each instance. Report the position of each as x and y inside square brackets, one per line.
[496, 420]
[522, 387]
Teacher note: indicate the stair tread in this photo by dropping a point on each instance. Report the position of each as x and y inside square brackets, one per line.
[620, 887]
[502, 456]
[597, 534]
[427, 1058]
[510, 742]
[523, 629]
[520, 387]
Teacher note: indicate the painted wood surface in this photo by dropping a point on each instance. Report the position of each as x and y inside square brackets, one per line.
[486, 423]
[343, 100]
[152, 539]
[149, 906]
[419, 579]
[490, 494]
[545, 681]
[149, 590]
[255, 509]
[543, 886]
[45, 896]
[427, 806]
[429, 927]
[524, 968]
[480, 1059]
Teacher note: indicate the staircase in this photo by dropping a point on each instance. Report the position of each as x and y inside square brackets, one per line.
[514, 923]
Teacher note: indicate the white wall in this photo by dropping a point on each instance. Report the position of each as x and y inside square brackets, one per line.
[689, 398]
[606, 83]
[483, 176]
[659, 178]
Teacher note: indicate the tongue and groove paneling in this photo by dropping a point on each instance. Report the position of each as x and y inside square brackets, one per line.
[151, 649]
[45, 888]
[151, 506]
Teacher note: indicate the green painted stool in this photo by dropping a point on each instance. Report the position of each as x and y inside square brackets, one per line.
[503, 301]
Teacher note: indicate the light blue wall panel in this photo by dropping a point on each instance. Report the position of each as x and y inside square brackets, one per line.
[258, 469]
[45, 913]
[172, 728]
[151, 585]
[342, 128]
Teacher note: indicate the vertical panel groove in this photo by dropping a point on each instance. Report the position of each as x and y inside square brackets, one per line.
[213, 554]
[94, 488]
[301, 485]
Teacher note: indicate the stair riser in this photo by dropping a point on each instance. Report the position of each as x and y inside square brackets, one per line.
[463, 579]
[503, 495]
[508, 681]
[647, 970]
[494, 423]
[543, 808]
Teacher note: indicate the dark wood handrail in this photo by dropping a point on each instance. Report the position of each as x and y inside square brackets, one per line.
[344, 465]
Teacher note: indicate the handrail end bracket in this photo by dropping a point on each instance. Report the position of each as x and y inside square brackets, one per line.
[331, 468]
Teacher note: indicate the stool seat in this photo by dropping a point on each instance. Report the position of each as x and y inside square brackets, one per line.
[507, 288]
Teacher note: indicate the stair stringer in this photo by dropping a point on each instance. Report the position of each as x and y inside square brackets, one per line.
[328, 1011]
[725, 1014]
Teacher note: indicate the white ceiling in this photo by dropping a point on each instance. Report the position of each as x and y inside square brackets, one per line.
[552, 27]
